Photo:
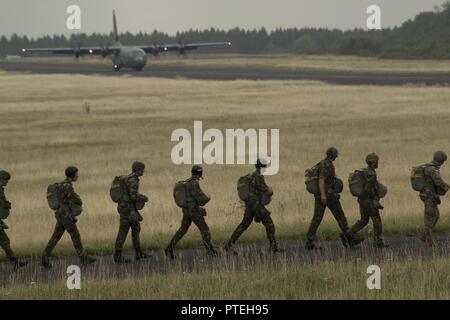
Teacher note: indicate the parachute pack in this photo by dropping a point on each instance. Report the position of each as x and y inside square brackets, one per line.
[356, 183]
[118, 190]
[243, 187]
[180, 194]
[54, 196]
[418, 178]
[312, 180]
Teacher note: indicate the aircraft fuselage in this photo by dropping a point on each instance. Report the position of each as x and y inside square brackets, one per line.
[129, 57]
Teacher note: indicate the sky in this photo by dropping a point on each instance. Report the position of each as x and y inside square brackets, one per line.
[36, 18]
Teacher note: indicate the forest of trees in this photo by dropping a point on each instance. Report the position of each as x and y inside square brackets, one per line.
[427, 36]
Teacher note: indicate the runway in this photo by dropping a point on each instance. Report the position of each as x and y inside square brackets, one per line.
[231, 73]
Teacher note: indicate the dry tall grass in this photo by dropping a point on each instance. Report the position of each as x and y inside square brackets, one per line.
[413, 279]
[44, 128]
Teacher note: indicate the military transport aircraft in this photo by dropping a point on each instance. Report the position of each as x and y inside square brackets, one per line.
[125, 56]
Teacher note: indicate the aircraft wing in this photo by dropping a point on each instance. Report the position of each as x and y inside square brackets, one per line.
[182, 47]
[76, 50]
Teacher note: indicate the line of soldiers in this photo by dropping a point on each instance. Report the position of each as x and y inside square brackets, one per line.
[255, 210]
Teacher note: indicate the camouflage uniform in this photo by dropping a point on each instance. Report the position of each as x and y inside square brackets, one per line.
[4, 240]
[327, 171]
[129, 216]
[194, 212]
[369, 206]
[431, 199]
[254, 210]
[65, 221]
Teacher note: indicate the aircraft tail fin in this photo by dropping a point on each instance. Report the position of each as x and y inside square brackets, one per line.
[116, 35]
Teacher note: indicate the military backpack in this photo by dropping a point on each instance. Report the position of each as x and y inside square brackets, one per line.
[356, 183]
[180, 194]
[312, 179]
[243, 187]
[118, 190]
[419, 178]
[54, 197]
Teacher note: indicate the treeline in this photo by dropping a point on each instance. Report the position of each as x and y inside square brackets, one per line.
[427, 36]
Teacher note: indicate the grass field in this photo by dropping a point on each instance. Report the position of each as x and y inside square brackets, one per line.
[411, 279]
[44, 128]
[280, 62]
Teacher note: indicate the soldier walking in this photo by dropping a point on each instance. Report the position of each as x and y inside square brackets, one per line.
[255, 210]
[434, 185]
[130, 218]
[327, 199]
[5, 207]
[369, 204]
[193, 212]
[66, 219]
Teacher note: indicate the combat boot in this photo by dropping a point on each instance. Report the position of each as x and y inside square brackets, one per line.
[427, 238]
[17, 264]
[380, 244]
[141, 255]
[229, 248]
[211, 252]
[169, 253]
[310, 245]
[84, 260]
[119, 258]
[355, 239]
[274, 248]
[45, 262]
[345, 239]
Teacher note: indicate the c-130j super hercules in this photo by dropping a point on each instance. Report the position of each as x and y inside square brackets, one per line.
[127, 56]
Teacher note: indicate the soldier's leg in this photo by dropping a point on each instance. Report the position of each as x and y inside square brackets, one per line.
[361, 223]
[5, 244]
[339, 215]
[377, 228]
[135, 232]
[319, 210]
[245, 223]
[199, 221]
[185, 224]
[56, 236]
[124, 228]
[430, 219]
[72, 230]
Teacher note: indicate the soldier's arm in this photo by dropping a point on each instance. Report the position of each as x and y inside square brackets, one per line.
[198, 194]
[133, 189]
[3, 202]
[323, 172]
[437, 179]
